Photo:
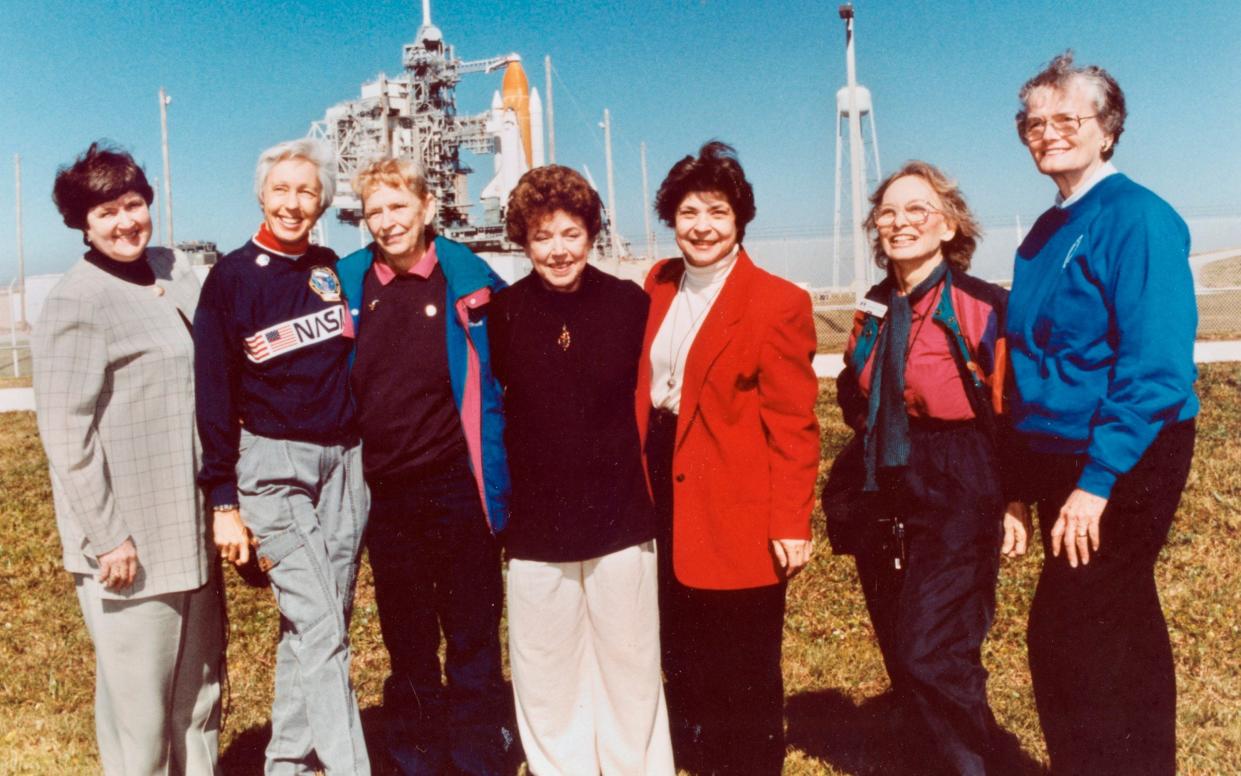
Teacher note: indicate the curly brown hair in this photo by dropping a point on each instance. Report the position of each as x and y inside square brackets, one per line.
[544, 190]
[960, 249]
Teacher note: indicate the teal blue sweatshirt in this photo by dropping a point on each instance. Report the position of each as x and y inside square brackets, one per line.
[1101, 326]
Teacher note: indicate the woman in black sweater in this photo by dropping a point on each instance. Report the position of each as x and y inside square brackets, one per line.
[582, 595]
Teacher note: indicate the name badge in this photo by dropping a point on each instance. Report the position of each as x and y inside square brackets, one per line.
[871, 307]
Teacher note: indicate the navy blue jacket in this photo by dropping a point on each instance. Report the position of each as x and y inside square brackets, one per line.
[272, 339]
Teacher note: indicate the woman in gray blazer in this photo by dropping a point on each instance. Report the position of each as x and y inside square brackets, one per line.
[114, 390]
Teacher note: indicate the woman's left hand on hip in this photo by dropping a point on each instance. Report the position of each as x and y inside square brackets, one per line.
[1077, 527]
[792, 554]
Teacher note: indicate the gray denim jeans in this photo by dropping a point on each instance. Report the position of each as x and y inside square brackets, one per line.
[307, 505]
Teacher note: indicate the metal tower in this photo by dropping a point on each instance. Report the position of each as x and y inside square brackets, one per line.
[853, 103]
[869, 175]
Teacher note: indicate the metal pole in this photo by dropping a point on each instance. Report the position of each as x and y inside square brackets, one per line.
[836, 222]
[17, 367]
[21, 255]
[156, 217]
[551, 116]
[855, 160]
[607, 151]
[646, 206]
[164, 100]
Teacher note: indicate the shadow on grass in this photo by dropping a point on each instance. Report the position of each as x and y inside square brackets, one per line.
[244, 757]
[875, 737]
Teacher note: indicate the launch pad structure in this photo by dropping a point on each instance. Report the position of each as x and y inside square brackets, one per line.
[414, 116]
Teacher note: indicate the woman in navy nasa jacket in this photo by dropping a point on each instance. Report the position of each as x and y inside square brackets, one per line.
[281, 457]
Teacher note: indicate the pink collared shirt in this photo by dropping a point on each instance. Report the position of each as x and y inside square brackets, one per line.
[422, 268]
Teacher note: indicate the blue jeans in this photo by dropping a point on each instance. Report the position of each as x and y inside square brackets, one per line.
[306, 504]
[437, 567]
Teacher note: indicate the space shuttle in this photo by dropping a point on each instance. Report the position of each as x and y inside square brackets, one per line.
[516, 124]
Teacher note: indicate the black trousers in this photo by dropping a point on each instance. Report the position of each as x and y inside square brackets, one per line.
[931, 616]
[437, 567]
[1100, 656]
[721, 652]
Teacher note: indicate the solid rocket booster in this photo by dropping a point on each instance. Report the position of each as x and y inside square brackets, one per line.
[493, 125]
[536, 129]
[515, 90]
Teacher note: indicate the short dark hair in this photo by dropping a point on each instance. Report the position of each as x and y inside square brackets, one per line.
[544, 190]
[960, 249]
[1060, 73]
[715, 169]
[100, 174]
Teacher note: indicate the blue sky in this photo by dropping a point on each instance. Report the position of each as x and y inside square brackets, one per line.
[761, 75]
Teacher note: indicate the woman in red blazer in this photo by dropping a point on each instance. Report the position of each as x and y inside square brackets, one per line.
[725, 403]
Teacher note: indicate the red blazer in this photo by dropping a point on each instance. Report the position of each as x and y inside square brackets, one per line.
[747, 450]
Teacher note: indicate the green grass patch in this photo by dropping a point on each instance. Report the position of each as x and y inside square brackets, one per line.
[839, 720]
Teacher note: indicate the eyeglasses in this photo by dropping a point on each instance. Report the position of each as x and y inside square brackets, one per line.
[1032, 128]
[916, 214]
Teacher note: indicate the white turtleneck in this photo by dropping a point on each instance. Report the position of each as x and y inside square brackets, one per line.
[700, 287]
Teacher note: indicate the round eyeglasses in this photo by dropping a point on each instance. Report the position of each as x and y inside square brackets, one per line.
[1033, 127]
[916, 214]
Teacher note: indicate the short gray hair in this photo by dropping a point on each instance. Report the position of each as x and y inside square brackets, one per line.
[1060, 73]
[316, 152]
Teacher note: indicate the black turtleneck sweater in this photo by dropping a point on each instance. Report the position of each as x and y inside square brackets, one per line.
[568, 363]
[138, 271]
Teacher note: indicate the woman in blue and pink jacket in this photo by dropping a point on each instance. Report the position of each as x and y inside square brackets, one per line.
[433, 455]
[922, 387]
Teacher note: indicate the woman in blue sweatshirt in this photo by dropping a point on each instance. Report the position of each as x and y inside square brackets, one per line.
[1101, 324]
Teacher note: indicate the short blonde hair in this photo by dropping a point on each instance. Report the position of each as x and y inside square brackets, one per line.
[397, 173]
[960, 249]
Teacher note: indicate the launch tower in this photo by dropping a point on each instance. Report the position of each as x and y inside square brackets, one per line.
[414, 116]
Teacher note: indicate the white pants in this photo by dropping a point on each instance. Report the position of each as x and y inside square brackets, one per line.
[157, 684]
[584, 650]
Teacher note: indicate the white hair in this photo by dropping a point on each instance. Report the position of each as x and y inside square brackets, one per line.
[316, 152]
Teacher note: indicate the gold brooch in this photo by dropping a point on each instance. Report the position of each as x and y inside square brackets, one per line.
[565, 339]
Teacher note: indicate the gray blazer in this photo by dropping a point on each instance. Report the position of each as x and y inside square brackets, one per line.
[114, 392]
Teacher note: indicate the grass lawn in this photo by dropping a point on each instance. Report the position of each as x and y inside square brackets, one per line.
[839, 719]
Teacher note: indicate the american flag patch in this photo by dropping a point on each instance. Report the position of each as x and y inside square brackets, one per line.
[294, 334]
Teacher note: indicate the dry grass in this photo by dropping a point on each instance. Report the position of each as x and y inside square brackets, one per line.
[839, 719]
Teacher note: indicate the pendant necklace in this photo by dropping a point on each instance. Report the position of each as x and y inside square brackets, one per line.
[675, 354]
[565, 339]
